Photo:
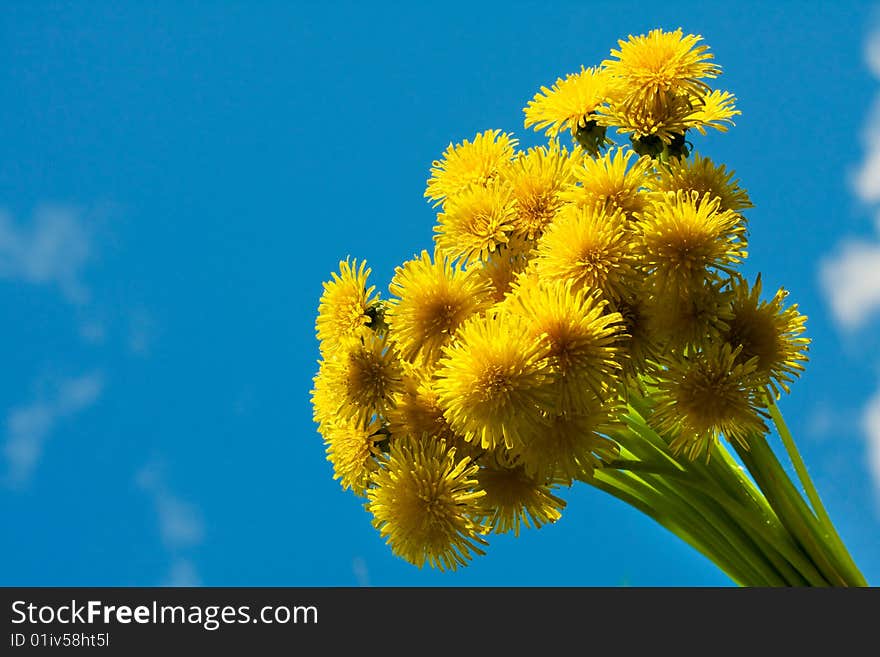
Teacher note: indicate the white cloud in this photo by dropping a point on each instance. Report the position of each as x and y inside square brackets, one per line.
[361, 574]
[825, 421]
[183, 573]
[866, 181]
[180, 523]
[28, 427]
[851, 282]
[93, 331]
[871, 426]
[76, 394]
[850, 278]
[53, 250]
[142, 330]
[872, 53]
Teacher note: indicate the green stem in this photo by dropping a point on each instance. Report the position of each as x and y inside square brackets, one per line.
[758, 526]
[723, 481]
[812, 494]
[795, 567]
[655, 465]
[789, 506]
[762, 518]
[682, 523]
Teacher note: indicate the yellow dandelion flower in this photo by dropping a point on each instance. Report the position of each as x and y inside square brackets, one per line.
[476, 223]
[570, 104]
[611, 182]
[537, 178]
[423, 504]
[352, 449]
[685, 235]
[503, 265]
[469, 163]
[706, 394]
[691, 316]
[578, 338]
[657, 127]
[357, 381]
[640, 349]
[491, 381]
[592, 248]
[417, 412]
[701, 175]
[515, 500]
[652, 125]
[714, 110]
[345, 305]
[769, 333]
[661, 65]
[326, 399]
[433, 299]
[572, 446]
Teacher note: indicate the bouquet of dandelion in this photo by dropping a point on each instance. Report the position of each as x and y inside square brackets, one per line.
[579, 319]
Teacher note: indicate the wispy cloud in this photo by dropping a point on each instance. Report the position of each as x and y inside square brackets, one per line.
[53, 249]
[850, 278]
[29, 427]
[142, 330]
[866, 179]
[179, 522]
[851, 282]
[361, 574]
[871, 426]
[182, 573]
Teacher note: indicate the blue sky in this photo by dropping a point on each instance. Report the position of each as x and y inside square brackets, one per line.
[178, 178]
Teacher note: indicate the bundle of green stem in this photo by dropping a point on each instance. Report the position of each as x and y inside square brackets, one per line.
[580, 319]
[753, 521]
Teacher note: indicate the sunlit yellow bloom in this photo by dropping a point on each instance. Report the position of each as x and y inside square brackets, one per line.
[701, 175]
[569, 104]
[433, 298]
[344, 305]
[470, 163]
[590, 247]
[609, 181]
[684, 235]
[640, 349]
[503, 265]
[423, 503]
[667, 119]
[326, 399]
[572, 445]
[768, 332]
[578, 338]
[715, 110]
[661, 65]
[515, 500]
[537, 177]
[476, 222]
[691, 316]
[706, 394]
[357, 381]
[352, 448]
[417, 412]
[660, 119]
[491, 381]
